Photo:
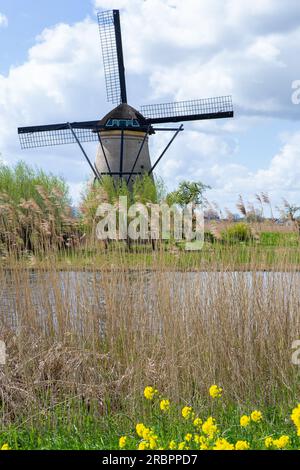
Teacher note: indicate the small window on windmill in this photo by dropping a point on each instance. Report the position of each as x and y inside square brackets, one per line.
[122, 123]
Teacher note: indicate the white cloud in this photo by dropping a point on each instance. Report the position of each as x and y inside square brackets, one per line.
[280, 177]
[174, 50]
[62, 80]
[3, 20]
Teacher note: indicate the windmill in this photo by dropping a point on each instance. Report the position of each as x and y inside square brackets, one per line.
[123, 134]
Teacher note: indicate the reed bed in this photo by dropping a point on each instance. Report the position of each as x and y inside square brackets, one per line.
[97, 338]
[35, 212]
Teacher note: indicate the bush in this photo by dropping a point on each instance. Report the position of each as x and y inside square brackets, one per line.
[209, 237]
[239, 232]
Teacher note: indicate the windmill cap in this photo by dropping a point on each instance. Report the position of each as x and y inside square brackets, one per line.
[124, 112]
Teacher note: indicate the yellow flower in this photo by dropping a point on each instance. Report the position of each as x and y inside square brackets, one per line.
[122, 442]
[256, 416]
[242, 445]
[209, 427]
[223, 444]
[172, 445]
[148, 434]
[143, 445]
[203, 444]
[153, 443]
[204, 447]
[150, 392]
[164, 405]
[268, 442]
[197, 422]
[282, 442]
[244, 421]
[215, 391]
[182, 446]
[5, 447]
[295, 417]
[188, 437]
[140, 429]
[187, 412]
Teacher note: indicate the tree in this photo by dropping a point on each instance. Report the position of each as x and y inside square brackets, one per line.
[188, 192]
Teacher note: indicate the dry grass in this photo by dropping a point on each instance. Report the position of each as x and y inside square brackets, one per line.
[101, 337]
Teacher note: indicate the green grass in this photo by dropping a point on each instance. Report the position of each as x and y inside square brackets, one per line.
[287, 239]
[240, 256]
[81, 430]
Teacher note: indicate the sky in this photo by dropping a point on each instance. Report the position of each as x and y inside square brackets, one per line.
[51, 71]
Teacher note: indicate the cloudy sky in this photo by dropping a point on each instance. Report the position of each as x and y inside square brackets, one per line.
[51, 71]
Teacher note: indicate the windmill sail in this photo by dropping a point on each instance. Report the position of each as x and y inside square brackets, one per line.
[57, 134]
[194, 110]
[112, 52]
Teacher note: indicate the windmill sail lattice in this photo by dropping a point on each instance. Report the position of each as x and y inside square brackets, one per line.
[57, 134]
[209, 108]
[112, 53]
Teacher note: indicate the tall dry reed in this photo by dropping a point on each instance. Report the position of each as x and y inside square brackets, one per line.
[100, 337]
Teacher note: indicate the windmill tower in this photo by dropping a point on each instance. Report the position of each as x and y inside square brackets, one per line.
[123, 134]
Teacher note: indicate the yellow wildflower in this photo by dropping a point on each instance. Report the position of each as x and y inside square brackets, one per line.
[242, 445]
[256, 416]
[197, 422]
[244, 421]
[204, 447]
[268, 442]
[187, 412]
[215, 391]
[203, 444]
[148, 434]
[295, 417]
[150, 392]
[183, 446]
[164, 405]
[122, 442]
[172, 445]
[140, 429]
[153, 443]
[282, 442]
[5, 447]
[188, 437]
[143, 445]
[209, 427]
[223, 444]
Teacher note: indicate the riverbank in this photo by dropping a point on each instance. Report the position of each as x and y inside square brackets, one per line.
[220, 427]
[213, 257]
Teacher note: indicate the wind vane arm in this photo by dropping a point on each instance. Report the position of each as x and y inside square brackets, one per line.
[112, 52]
[57, 134]
[194, 110]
